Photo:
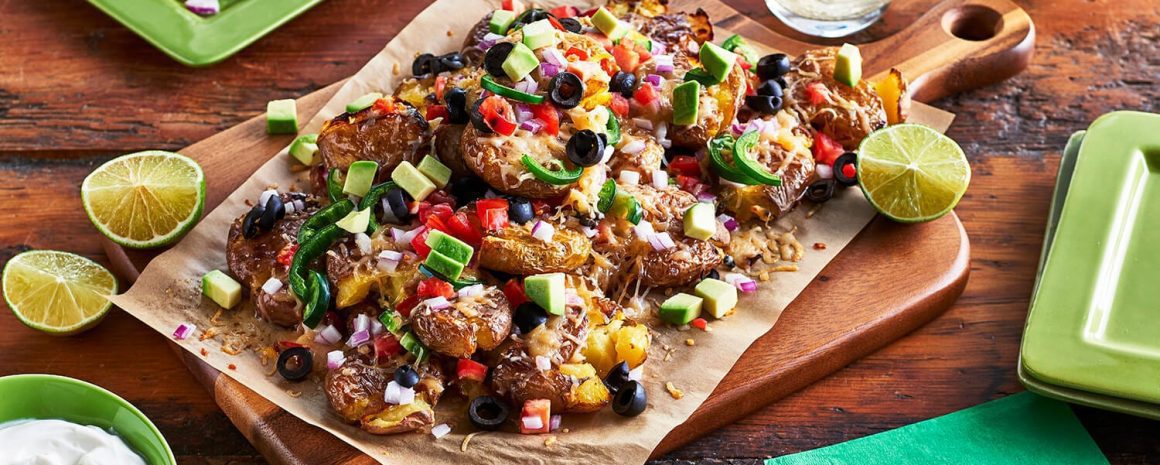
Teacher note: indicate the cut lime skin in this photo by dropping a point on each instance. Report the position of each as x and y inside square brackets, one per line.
[166, 239]
[80, 326]
[877, 202]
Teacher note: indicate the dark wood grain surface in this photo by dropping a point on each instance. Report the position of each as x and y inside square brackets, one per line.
[77, 89]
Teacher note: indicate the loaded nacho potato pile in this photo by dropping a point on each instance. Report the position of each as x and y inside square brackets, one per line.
[511, 222]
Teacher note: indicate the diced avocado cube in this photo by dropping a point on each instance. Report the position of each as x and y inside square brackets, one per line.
[363, 102]
[681, 308]
[359, 177]
[520, 62]
[501, 20]
[540, 34]
[686, 100]
[609, 24]
[718, 61]
[451, 247]
[221, 289]
[411, 180]
[547, 291]
[848, 66]
[356, 221]
[720, 297]
[282, 117]
[700, 222]
[435, 170]
[446, 266]
[305, 149]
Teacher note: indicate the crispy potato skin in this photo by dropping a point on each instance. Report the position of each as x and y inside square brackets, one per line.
[388, 138]
[729, 96]
[447, 148]
[450, 331]
[513, 250]
[499, 166]
[846, 127]
[795, 166]
[355, 391]
[255, 260]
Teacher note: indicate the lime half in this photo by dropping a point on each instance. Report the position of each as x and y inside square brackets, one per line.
[57, 292]
[912, 173]
[145, 199]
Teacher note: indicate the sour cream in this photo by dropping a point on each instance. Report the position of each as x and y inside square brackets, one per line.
[57, 442]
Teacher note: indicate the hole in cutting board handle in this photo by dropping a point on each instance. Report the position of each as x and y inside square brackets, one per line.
[975, 23]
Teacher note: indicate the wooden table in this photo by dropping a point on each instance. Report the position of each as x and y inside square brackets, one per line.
[77, 89]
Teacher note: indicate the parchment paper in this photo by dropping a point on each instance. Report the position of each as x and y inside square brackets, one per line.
[168, 294]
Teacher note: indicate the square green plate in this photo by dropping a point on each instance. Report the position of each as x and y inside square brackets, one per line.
[1143, 409]
[196, 40]
[1094, 322]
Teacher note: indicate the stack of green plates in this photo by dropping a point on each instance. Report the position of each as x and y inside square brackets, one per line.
[1093, 330]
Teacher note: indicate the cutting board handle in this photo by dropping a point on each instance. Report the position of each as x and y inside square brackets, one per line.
[955, 46]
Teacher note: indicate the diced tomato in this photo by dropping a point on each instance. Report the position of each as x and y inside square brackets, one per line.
[404, 308]
[536, 408]
[513, 5]
[608, 66]
[436, 111]
[547, 113]
[440, 86]
[699, 323]
[286, 255]
[541, 207]
[642, 52]
[442, 211]
[387, 345]
[629, 55]
[619, 105]
[493, 213]
[645, 93]
[815, 93]
[468, 369]
[687, 183]
[514, 291]
[436, 223]
[435, 287]
[849, 170]
[460, 227]
[498, 115]
[591, 11]
[825, 149]
[384, 106]
[686, 165]
[565, 11]
[419, 243]
[580, 54]
[441, 197]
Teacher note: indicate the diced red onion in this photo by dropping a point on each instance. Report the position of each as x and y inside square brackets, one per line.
[265, 197]
[440, 430]
[328, 335]
[668, 144]
[543, 231]
[406, 238]
[527, 86]
[572, 299]
[489, 40]
[661, 241]
[741, 282]
[658, 48]
[662, 131]
[634, 147]
[748, 286]
[203, 7]
[397, 234]
[394, 393]
[654, 79]
[737, 129]
[376, 327]
[299, 205]
[437, 303]
[184, 330]
[359, 338]
[523, 112]
[664, 63]
[644, 230]
[629, 177]
[272, 285]
[549, 70]
[472, 291]
[389, 260]
[406, 396]
[554, 422]
[288, 207]
[824, 171]
[608, 151]
[543, 363]
[590, 232]
[660, 178]
[532, 423]
[533, 125]
[666, 240]
[729, 222]
[769, 131]
[555, 57]
[334, 359]
[643, 123]
[388, 214]
[362, 322]
[637, 373]
[707, 197]
[490, 194]
[363, 242]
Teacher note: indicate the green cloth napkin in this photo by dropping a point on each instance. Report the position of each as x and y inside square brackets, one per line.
[1019, 429]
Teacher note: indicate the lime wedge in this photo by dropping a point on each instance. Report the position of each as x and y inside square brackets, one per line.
[57, 292]
[145, 199]
[912, 173]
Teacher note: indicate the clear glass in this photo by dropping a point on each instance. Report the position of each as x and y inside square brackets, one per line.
[828, 18]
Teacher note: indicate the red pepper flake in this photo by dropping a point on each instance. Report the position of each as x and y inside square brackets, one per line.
[699, 323]
[819, 246]
[286, 255]
[232, 366]
[204, 353]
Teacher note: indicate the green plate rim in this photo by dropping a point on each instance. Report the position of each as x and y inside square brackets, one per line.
[202, 41]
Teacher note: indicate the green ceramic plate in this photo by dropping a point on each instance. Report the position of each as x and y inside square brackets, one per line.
[1143, 409]
[199, 41]
[58, 397]
[1093, 322]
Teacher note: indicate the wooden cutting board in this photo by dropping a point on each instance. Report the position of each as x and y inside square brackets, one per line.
[866, 297]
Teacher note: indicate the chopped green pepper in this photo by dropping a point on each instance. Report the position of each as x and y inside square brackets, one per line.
[749, 166]
[489, 84]
[613, 128]
[334, 185]
[324, 217]
[722, 167]
[561, 177]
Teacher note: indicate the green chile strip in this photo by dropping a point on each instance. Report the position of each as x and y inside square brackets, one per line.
[749, 166]
[307, 252]
[372, 199]
[323, 218]
[722, 167]
[333, 185]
